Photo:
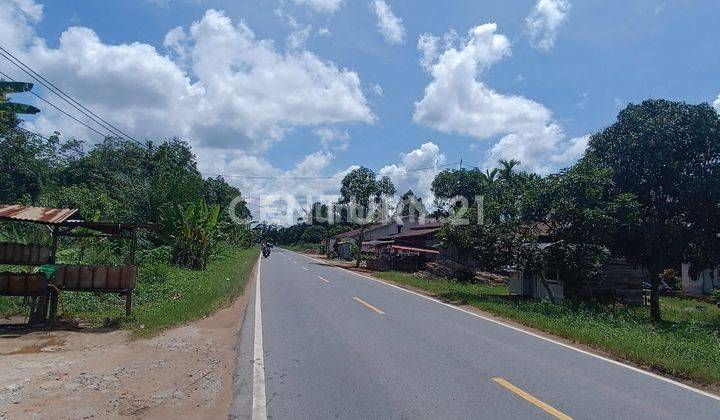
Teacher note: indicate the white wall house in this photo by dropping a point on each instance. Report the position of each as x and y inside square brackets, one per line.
[703, 283]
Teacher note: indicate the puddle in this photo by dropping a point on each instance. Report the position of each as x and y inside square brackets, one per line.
[47, 341]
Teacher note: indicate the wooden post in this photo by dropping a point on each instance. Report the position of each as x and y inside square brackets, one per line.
[128, 302]
[133, 248]
[53, 292]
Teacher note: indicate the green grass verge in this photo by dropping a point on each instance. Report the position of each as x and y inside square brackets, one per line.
[686, 344]
[165, 296]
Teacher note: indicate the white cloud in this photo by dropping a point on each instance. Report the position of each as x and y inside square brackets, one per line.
[16, 20]
[324, 32]
[426, 156]
[544, 21]
[390, 26]
[716, 104]
[458, 101]
[220, 87]
[378, 90]
[333, 138]
[322, 6]
[297, 39]
[542, 151]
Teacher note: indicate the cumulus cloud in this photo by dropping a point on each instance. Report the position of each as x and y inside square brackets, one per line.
[390, 26]
[544, 21]
[322, 6]
[458, 101]
[716, 104]
[219, 85]
[333, 138]
[428, 155]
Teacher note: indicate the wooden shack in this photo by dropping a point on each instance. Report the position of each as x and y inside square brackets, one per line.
[43, 287]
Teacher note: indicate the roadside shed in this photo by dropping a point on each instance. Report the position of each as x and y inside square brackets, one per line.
[47, 280]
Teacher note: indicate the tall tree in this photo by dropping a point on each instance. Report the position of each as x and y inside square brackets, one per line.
[363, 194]
[668, 155]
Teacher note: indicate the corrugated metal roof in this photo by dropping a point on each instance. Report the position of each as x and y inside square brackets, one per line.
[35, 214]
[412, 233]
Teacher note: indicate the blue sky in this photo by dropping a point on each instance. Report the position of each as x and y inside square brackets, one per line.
[521, 98]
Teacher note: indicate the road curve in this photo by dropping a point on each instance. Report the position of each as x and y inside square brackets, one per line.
[339, 345]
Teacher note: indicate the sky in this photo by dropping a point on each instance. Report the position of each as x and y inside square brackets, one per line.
[314, 88]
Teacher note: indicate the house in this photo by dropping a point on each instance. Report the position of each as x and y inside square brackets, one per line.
[344, 241]
[616, 279]
[702, 284]
[408, 250]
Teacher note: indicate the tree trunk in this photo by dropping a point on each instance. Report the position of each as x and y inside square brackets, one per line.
[359, 245]
[655, 296]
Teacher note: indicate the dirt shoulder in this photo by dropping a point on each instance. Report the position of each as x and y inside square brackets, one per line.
[183, 372]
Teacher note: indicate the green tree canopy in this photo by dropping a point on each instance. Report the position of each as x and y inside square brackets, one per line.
[667, 154]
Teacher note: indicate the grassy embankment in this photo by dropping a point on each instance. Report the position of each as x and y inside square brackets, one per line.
[165, 296]
[686, 344]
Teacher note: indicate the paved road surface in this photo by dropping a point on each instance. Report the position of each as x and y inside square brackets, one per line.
[335, 344]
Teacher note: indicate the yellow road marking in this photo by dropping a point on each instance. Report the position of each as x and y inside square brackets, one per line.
[369, 306]
[532, 400]
[305, 268]
[323, 279]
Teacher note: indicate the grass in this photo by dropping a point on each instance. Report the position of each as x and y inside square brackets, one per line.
[165, 296]
[686, 344]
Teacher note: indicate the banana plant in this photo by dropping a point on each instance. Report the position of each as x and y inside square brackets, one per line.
[191, 231]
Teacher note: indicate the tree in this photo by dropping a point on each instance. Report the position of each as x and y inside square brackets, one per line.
[584, 211]
[410, 205]
[362, 194]
[452, 183]
[313, 234]
[506, 172]
[667, 154]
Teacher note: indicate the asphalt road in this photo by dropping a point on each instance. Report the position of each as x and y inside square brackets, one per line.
[335, 344]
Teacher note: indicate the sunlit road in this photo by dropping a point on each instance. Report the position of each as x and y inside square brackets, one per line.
[333, 344]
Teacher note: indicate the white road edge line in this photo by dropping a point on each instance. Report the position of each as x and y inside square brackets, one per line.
[495, 321]
[323, 279]
[259, 404]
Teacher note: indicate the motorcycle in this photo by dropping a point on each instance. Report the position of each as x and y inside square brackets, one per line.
[266, 252]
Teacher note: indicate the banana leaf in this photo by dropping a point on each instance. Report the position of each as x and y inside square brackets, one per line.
[16, 108]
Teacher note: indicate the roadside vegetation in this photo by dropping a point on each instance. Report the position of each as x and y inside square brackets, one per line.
[195, 260]
[685, 344]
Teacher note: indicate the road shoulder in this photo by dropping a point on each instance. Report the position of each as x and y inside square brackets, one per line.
[182, 372]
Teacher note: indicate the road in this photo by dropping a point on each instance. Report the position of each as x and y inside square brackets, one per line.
[334, 344]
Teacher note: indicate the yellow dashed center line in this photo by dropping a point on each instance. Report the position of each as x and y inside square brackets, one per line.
[367, 305]
[323, 279]
[532, 400]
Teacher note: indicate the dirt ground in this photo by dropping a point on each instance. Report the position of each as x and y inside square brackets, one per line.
[186, 372]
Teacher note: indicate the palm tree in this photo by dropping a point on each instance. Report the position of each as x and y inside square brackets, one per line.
[506, 172]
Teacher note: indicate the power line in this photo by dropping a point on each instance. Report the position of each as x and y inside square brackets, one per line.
[307, 178]
[64, 96]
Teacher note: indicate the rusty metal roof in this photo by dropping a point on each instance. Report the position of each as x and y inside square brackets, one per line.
[43, 215]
